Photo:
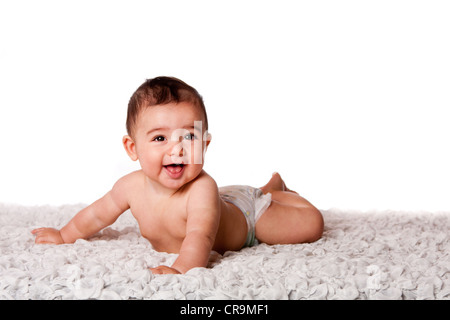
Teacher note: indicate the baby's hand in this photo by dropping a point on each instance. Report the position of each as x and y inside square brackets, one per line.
[47, 235]
[164, 270]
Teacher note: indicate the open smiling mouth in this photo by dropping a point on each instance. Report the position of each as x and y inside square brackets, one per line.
[175, 169]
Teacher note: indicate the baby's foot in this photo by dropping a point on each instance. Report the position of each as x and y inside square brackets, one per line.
[276, 183]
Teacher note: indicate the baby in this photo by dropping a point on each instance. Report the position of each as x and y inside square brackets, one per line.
[178, 206]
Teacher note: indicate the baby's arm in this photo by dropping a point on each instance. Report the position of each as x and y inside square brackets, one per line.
[203, 217]
[90, 220]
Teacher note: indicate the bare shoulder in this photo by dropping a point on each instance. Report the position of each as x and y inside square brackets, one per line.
[203, 206]
[204, 191]
[128, 181]
[204, 184]
[125, 186]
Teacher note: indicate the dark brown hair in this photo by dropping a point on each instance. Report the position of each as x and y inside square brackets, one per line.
[160, 91]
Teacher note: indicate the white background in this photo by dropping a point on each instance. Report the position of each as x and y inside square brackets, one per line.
[348, 100]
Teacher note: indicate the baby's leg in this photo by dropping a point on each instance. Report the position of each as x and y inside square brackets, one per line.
[290, 218]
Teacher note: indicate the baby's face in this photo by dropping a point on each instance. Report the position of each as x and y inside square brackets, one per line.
[169, 143]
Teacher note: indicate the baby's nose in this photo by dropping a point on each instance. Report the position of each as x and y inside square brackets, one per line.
[176, 149]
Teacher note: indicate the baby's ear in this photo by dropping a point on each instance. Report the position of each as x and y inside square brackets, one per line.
[130, 147]
[207, 138]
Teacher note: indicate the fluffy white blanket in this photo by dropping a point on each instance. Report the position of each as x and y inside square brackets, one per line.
[362, 255]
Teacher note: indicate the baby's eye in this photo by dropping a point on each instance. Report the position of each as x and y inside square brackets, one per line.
[159, 139]
[190, 136]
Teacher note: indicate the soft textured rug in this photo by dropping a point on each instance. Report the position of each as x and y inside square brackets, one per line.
[362, 255]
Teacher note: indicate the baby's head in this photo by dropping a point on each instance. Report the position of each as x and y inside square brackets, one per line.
[162, 91]
[167, 131]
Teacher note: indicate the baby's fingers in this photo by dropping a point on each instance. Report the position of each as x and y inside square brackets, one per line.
[44, 239]
[34, 231]
[41, 238]
[164, 270]
[47, 236]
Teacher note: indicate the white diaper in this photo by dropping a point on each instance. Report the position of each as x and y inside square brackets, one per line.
[251, 201]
